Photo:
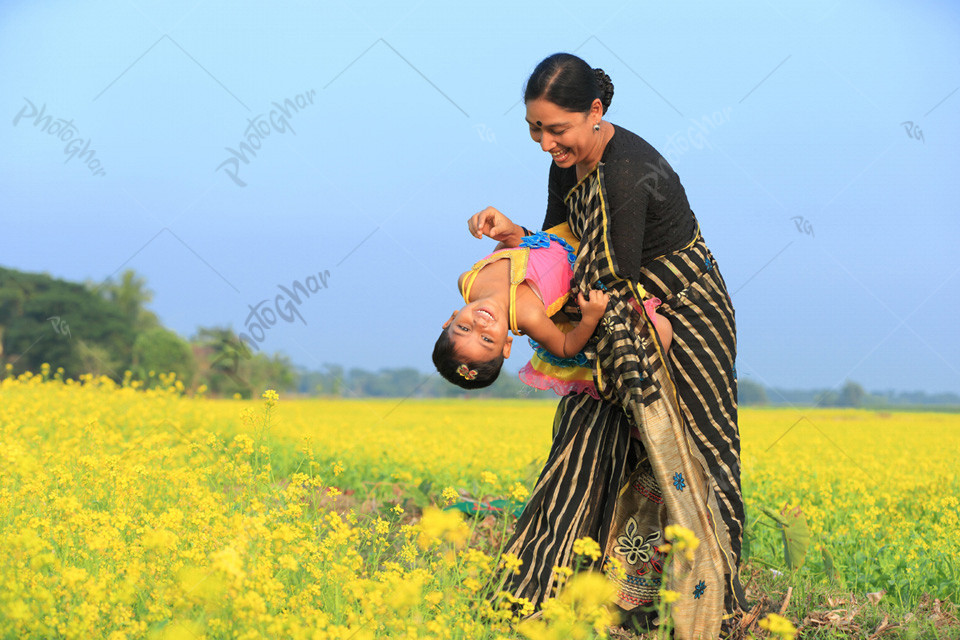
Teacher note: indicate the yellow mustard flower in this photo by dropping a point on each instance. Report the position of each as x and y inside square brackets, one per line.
[779, 625]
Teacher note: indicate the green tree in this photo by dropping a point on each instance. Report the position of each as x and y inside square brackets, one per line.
[220, 355]
[851, 395]
[751, 393]
[62, 323]
[161, 350]
[131, 296]
[227, 366]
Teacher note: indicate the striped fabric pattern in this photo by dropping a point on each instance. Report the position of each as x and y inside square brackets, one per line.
[685, 470]
[702, 358]
[592, 453]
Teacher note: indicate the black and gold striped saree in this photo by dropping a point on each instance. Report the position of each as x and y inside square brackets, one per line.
[685, 467]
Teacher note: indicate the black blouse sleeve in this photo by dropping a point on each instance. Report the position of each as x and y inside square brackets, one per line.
[556, 210]
[629, 186]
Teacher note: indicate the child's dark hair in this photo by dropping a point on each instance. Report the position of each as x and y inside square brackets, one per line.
[569, 82]
[444, 358]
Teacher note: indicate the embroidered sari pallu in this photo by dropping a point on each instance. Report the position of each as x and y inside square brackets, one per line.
[623, 492]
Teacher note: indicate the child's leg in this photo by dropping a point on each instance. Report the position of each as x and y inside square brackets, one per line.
[660, 323]
[664, 329]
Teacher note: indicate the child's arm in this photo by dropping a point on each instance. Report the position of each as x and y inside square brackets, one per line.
[567, 345]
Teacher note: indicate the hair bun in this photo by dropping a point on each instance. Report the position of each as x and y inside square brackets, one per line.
[606, 88]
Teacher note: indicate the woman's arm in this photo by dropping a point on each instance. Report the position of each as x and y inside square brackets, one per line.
[492, 223]
[567, 345]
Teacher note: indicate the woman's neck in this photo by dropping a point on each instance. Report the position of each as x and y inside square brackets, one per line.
[585, 167]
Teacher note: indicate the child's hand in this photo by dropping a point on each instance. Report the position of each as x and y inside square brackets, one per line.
[594, 308]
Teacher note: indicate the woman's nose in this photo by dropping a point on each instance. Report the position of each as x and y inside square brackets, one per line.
[545, 142]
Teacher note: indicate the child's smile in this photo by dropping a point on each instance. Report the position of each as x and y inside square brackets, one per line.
[478, 331]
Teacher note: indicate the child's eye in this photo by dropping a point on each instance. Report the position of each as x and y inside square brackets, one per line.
[462, 327]
[487, 339]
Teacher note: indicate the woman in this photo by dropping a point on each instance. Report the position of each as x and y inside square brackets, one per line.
[638, 238]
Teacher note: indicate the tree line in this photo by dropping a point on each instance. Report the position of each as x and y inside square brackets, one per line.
[107, 329]
[851, 394]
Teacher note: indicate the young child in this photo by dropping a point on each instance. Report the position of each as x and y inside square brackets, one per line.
[517, 288]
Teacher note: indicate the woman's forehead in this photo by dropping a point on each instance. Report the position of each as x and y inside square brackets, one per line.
[545, 113]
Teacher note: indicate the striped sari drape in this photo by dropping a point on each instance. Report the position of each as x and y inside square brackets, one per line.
[684, 469]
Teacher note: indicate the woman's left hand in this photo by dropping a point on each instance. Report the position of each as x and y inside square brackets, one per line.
[492, 223]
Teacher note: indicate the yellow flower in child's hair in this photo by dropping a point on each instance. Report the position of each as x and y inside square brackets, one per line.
[270, 398]
[438, 524]
[586, 547]
[449, 496]
[510, 562]
[519, 492]
[669, 596]
[780, 626]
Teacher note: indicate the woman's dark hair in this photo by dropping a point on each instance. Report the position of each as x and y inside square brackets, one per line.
[444, 358]
[569, 82]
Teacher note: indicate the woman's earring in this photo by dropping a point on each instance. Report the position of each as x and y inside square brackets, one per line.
[596, 127]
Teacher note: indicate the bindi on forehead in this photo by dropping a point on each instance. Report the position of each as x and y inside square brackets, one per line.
[554, 125]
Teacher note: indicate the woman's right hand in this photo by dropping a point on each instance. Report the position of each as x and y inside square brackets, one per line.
[492, 223]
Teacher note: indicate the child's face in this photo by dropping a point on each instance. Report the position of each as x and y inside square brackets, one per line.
[479, 331]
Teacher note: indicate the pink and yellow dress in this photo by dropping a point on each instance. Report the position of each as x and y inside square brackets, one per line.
[545, 261]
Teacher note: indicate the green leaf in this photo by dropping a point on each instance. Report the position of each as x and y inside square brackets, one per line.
[796, 534]
[495, 507]
[796, 537]
[830, 568]
[774, 515]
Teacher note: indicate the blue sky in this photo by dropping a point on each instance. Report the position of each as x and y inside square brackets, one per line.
[833, 222]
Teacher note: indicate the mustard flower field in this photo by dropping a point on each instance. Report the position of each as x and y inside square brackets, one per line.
[128, 512]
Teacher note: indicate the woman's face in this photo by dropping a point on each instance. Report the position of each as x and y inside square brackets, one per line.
[567, 136]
